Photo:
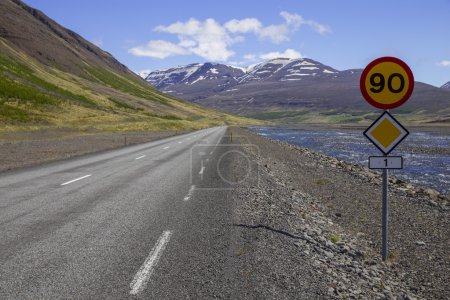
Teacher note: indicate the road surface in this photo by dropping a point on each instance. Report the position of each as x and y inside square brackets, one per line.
[145, 221]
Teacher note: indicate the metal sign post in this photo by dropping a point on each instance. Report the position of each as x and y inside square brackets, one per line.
[385, 251]
[386, 83]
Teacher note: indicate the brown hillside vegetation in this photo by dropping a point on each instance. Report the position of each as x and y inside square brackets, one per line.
[50, 77]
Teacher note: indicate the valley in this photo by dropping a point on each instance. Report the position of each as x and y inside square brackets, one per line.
[246, 175]
[293, 91]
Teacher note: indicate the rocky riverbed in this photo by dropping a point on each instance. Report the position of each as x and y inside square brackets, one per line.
[306, 208]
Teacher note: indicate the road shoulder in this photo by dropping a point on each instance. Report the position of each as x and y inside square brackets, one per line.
[313, 227]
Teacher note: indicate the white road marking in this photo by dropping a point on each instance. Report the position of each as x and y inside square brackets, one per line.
[68, 182]
[143, 275]
[215, 146]
[166, 147]
[202, 170]
[189, 194]
[140, 157]
[179, 142]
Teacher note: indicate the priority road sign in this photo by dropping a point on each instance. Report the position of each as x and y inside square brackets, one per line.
[386, 133]
[385, 162]
[387, 82]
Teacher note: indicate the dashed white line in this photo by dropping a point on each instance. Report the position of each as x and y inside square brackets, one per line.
[143, 275]
[201, 171]
[68, 182]
[165, 148]
[189, 194]
[140, 157]
[179, 142]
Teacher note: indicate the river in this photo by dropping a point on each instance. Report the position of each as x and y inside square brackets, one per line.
[426, 154]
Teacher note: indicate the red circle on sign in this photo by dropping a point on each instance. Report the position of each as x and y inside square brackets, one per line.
[362, 82]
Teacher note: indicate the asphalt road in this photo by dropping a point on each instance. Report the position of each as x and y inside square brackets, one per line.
[145, 221]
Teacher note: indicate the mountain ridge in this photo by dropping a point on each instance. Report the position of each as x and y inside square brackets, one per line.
[285, 85]
[51, 77]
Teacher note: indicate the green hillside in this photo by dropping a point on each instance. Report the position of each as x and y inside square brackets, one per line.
[40, 90]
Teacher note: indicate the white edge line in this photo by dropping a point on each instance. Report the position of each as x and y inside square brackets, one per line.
[140, 157]
[68, 182]
[189, 194]
[142, 277]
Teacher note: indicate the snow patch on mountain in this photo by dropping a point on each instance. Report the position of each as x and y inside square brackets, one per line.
[197, 80]
[446, 86]
[225, 77]
[143, 74]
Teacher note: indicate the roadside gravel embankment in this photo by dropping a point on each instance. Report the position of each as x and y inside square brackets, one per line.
[318, 220]
[37, 150]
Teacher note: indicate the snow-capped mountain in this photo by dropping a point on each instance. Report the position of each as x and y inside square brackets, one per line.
[280, 84]
[446, 86]
[217, 74]
[281, 69]
[285, 69]
[143, 74]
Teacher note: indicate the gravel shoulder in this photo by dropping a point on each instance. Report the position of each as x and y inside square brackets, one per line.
[311, 224]
[42, 147]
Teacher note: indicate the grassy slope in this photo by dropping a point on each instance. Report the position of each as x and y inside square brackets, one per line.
[34, 96]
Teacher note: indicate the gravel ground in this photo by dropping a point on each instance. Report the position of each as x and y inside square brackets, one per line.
[41, 149]
[312, 226]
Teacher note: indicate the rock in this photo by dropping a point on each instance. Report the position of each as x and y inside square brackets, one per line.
[345, 249]
[328, 254]
[433, 203]
[330, 291]
[420, 243]
[432, 193]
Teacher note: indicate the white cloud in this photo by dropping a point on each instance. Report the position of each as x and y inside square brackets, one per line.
[320, 28]
[275, 33]
[250, 57]
[444, 63]
[190, 27]
[293, 20]
[207, 39]
[288, 53]
[213, 41]
[159, 49]
[243, 26]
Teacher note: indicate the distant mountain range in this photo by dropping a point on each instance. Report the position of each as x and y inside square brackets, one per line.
[446, 86]
[291, 87]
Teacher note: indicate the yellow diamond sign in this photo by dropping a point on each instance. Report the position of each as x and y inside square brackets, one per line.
[386, 133]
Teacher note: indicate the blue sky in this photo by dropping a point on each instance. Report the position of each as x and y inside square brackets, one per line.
[148, 34]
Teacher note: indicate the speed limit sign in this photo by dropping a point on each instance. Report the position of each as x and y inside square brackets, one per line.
[387, 83]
